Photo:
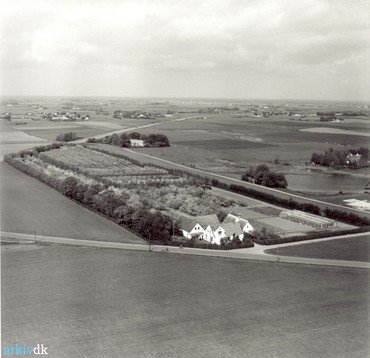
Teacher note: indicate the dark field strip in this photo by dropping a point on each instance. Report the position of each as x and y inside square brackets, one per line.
[27, 204]
[223, 144]
[350, 249]
[84, 302]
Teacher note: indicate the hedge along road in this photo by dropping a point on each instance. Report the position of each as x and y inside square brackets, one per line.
[227, 180]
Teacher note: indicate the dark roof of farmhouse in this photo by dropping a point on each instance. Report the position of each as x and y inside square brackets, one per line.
[206, 220]
[230, 218]
[232, 228]
[187, 223]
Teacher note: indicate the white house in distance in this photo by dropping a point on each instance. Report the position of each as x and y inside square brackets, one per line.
[136, 143]
[209, 228]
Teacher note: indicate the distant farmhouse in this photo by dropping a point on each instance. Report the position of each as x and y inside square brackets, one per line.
[137, 143]
[209, 228]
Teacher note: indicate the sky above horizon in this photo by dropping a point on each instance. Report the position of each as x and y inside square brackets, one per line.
[300, 49]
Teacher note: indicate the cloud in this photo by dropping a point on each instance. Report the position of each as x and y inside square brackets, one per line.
[263, 40]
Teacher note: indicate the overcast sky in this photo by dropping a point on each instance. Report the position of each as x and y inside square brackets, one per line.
[303, 49]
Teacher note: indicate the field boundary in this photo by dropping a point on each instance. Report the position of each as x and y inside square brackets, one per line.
[241, 254]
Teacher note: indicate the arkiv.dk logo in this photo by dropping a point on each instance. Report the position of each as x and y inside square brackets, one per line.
[21, 350]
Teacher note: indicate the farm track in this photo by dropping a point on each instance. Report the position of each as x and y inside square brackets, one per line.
[255, 253]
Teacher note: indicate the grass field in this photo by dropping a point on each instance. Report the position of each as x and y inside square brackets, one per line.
[335, 131]
[81, 131]
[27, 204]
[9, 135]
[223, 144]
[83, 302]
[350, 249]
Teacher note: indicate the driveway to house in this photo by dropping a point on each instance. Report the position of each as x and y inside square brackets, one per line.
[253, 253]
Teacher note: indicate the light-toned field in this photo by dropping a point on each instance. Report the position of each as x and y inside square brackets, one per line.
[104, 124]
[45, 125]
[334, 131]
[52, 133]
[28, 206]
[9, 135]
[84, 302]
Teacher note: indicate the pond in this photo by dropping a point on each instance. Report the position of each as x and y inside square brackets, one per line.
[326, 183]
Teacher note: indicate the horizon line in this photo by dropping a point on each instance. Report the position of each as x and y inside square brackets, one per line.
[186, 98]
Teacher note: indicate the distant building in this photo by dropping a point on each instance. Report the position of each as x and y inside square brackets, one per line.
[304, 218]
[136, 143]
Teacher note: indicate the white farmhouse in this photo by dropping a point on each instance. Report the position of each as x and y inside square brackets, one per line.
[209, 228]
[227, 231]
[196, 226]
[136, 143]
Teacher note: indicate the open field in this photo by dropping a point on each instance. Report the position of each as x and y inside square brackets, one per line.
[334, 131]
[284, 145]
[350, 249]
[8, 135]
[12, 140]
[115, 303]
[223, 144]
[27, 204]
[51, 134]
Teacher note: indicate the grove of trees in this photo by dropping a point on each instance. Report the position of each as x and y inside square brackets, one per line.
[337, 158]
[67, 137]
[123, 140]
[262, 175]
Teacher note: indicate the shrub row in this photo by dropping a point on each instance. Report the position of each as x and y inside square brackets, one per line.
[148, 224]
[201, 245]
[309, 236]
